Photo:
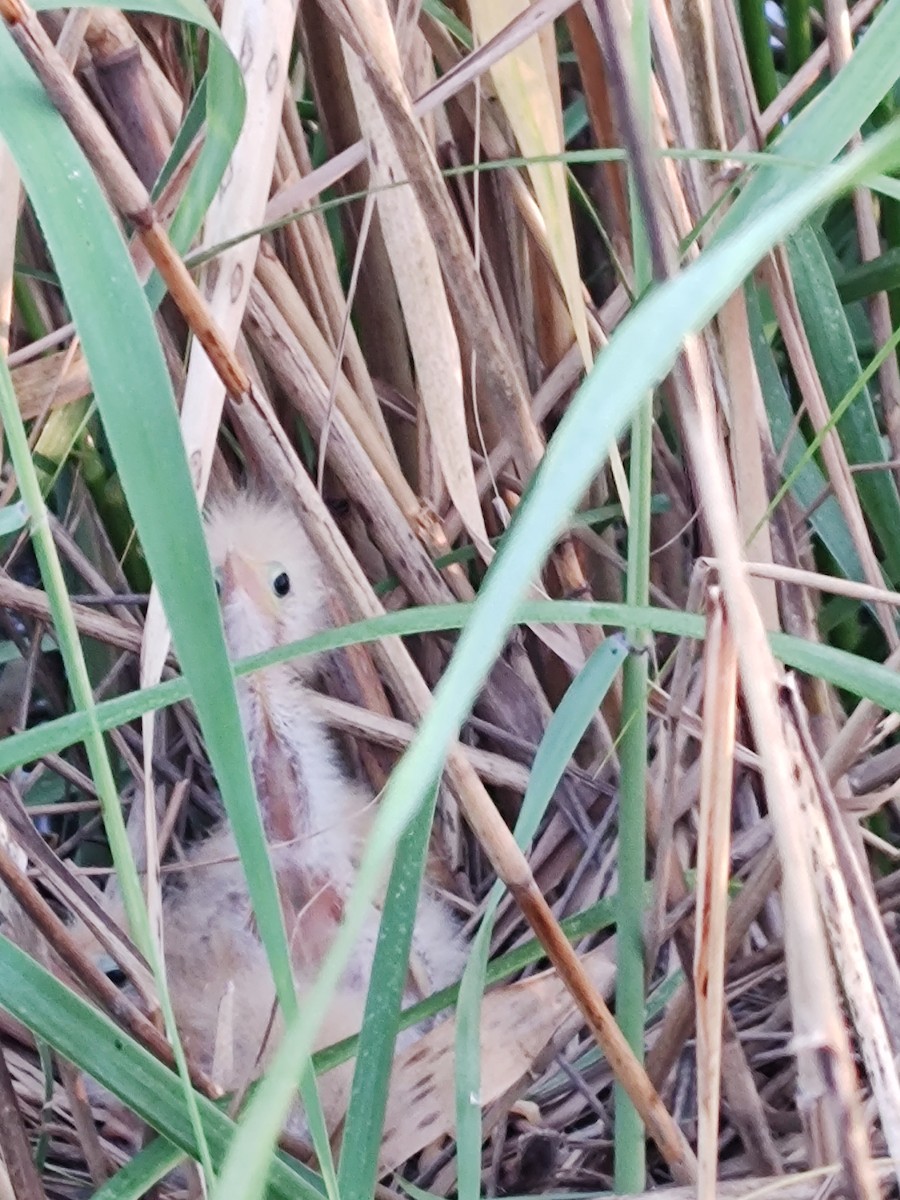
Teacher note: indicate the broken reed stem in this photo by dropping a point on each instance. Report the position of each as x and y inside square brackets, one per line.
[713, 837]
[842, 892]
[14, 1142]
[680, 1013]
[125, 189]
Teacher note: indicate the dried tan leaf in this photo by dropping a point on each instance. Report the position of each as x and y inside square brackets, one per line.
[517, 1022]
[844, 935]
[50, 382]
[420, 285]
[527, 83]
[744, 416]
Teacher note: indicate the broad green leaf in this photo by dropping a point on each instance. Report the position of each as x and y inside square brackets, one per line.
[839, 369]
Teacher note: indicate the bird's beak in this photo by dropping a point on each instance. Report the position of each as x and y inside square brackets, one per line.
[248, 608]
[241, 583]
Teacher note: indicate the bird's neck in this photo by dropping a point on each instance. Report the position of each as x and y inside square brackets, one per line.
[307, 803]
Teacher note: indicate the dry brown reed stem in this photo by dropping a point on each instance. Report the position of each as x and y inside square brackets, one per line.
[305, 190]
[422, 294]
[83, 1119]
[132, 107]
[864, 958]
[125, 189]
[274, 291]
[270, 322]
[88, 974]
[72, 894]
[473, 310]
[713, 868]
[110, 33]
[856, 732]
[824, 1063]
[744, 1104]
[14, 1143]
[33, 602]
[660, 1125]
[388, 731]
[823, 583]
[804, 1185]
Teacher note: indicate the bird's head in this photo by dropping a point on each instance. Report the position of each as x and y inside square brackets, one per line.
[267, 574]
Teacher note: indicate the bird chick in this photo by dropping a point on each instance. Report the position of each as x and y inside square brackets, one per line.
[273, 592]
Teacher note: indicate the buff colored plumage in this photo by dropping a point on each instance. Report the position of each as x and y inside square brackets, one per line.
[315, 817]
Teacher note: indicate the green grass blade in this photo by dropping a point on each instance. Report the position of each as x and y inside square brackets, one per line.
[141, 1173]
[807, 481]
[358, 1170]
[629, 1155]
[854, 674]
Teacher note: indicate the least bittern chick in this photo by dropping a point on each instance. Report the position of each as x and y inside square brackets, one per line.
[272, 592]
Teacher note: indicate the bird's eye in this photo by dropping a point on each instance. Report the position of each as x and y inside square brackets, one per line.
[281, 584]
[112, 970]
[217, 577]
